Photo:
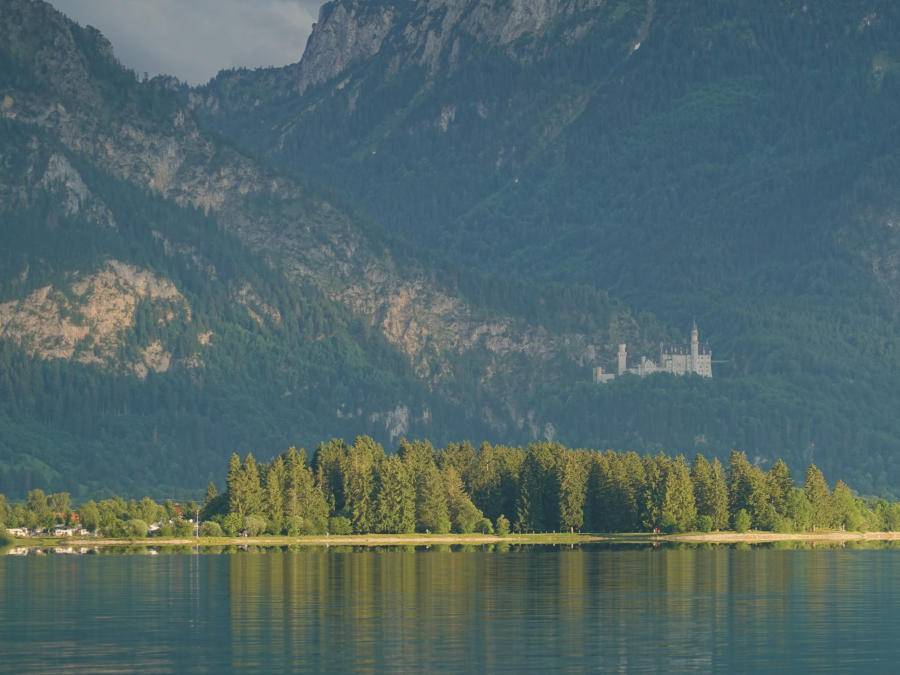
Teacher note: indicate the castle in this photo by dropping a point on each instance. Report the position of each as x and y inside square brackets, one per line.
[676, 359]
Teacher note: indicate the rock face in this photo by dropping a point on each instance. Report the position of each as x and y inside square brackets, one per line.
[430, 32]
[87, 320]
[345, 33]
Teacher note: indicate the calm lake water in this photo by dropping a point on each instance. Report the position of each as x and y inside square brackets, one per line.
[527, 609]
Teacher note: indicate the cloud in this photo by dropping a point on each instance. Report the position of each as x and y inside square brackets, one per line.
[194, 39]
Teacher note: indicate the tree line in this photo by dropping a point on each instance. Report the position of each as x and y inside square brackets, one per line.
[359, 488]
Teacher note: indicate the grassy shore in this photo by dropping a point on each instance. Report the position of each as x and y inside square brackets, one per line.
[761, 537]
[322, 540]
[469, 539]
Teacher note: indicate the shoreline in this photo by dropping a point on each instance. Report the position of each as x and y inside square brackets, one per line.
[549, 539]
[763, 537]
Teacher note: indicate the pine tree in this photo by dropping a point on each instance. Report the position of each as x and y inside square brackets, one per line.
[211, 493]
[463, 513]
[294, 469]
[710, 491]
[679, 510]
[245, 494]
[358, 470]
[572, 473]
[275, 488]
[780, 485]
[656, 469]
[395, 502]
[747, 488]
[431, 502]
[819, 498]
[329, 473]
[538, 505]
[234, 487]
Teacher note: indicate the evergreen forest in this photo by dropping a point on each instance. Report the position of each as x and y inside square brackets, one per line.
[360, 489]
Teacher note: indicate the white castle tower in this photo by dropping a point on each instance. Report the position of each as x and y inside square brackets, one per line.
[678, 359]
[695, 348]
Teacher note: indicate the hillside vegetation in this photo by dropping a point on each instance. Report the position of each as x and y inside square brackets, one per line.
[435, 225]
[728, 161]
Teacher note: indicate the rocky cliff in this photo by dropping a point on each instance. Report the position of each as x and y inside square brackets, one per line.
[434, 33]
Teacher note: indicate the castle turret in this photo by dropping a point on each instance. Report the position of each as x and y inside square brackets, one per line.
[695, 348]
[623, 359]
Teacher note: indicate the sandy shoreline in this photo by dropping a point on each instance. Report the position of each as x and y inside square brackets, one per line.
[333, 540]
[474, 540]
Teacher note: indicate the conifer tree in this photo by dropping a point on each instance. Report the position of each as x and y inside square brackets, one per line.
[305, 507]
[233, 485]
[656, 469]
[462, 457]
[294, 468]
[710, 491]
[538, 505]
[780, 484]
[679, 509]
[329, 474]
[819, 498]
[245, 494]
[463, 513]
[747, 488]
[572, 473]
[358, 469]
[395, 502]
[211, 493]
[275, 488]
[431, 501]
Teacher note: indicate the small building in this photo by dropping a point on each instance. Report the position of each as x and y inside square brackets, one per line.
[18, 531]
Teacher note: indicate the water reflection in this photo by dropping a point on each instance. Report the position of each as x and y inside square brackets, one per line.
[526, 608]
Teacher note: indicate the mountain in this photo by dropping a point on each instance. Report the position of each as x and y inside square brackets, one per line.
[166, 299]
[729, 161]
[436, 224]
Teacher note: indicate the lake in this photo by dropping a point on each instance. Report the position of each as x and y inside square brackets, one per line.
[593, 607]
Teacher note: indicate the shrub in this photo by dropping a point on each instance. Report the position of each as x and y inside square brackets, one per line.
[6, 539]
[742, 521]
[182, 528]
[339, 525]
[292, 525]
[210, 528]
[502, 525]
[254, 525]
[704, 524]
[231, 524]
[135, 528]
[668, 524]
[484, 526]
[312, 526]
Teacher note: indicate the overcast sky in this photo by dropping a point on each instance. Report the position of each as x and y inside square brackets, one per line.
[195, 39]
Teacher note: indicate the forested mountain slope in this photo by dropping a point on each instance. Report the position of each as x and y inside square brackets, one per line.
[732, 161]
[510, 190]
[166, 300]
